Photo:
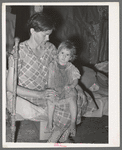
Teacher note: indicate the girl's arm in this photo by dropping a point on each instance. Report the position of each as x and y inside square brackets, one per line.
[79, 89]
[71, 86]
[74, 84]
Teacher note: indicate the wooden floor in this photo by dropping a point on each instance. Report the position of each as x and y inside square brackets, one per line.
[91, 130]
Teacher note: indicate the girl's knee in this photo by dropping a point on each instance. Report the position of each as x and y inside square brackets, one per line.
[72, 99]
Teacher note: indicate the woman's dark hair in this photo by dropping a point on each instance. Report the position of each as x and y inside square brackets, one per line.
[41, 22]
[69, 46]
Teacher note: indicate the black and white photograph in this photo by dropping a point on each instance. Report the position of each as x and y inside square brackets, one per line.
[50, 52]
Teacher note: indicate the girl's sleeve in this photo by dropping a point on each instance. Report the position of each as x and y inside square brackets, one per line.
[75, 73]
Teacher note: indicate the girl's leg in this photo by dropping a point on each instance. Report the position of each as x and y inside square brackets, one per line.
[73, 112]
[55, 136]
[51, 108]
[65, 136]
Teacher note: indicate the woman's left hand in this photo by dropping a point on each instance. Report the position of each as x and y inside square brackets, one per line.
[50, 95]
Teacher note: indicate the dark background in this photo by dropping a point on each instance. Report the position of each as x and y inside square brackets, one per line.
[81, 24]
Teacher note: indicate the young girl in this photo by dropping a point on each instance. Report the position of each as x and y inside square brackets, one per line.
[63, 78]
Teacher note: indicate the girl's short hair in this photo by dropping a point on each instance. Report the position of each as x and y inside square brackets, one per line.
[69, 46]
[41, 22]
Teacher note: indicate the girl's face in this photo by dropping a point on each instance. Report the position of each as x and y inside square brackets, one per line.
[64, 56]
[42, 36]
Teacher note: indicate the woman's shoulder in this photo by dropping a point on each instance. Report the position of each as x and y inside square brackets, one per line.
[52, 51]
[22, 44]
[23, 49]
[49, 46]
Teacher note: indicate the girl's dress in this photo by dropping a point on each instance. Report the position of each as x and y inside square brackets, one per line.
[58, 77]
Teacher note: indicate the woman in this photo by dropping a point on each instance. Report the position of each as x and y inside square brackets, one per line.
[35, 55]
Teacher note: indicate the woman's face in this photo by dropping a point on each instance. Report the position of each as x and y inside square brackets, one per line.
[42, 37]
[64, 56]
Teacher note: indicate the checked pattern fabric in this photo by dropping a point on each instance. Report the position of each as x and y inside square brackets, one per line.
[62, 114]
[33, 70]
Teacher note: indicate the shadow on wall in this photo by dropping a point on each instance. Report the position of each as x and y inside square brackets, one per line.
[83, 24]
[70, 25]
[67, 27]
[58, 19]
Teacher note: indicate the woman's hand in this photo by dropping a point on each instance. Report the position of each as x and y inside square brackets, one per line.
[51, 95]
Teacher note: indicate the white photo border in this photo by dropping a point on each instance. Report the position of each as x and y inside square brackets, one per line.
[114, 79]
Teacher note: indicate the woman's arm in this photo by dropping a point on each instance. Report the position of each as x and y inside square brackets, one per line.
[21, 91]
